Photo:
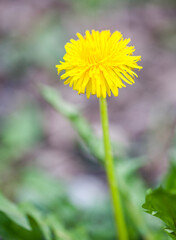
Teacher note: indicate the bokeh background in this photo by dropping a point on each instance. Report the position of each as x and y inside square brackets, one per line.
[142, 118]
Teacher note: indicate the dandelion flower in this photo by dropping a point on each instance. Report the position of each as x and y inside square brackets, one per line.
[99, 63]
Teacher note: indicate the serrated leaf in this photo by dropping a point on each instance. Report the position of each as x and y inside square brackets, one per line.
[12, 212]
[162, 204]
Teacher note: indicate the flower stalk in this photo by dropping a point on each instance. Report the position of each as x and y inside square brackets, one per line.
[110, 172]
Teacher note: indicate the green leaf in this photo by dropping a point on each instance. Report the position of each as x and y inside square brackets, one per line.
[35, 184]
[53, 97]
[39, 219]
[90, 142]
[162, 204]
[17, 223]
[28, 222]
[58, 230]
[12, 212]
[93, 143]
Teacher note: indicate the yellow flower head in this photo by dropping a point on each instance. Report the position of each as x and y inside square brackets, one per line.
[99, 63]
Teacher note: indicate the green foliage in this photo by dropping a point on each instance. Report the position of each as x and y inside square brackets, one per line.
[45, 210]
[57, 204]
[53, 216]
[90, 141]
[161, 203]
[132, 186]
[93, 143]
[33, 188]
[21, 130]
[13, 213]
[28, 222]
[17, 225]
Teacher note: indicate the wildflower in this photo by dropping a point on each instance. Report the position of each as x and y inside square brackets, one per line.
[99, 63]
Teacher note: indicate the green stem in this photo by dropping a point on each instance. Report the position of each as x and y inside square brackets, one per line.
[109, 165]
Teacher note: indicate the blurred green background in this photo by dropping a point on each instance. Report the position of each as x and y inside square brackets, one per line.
[51, 158]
